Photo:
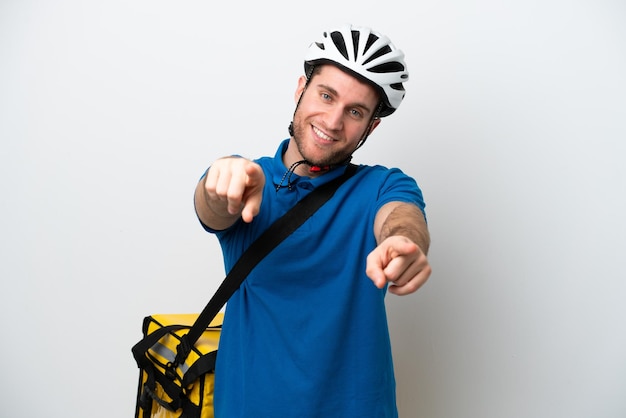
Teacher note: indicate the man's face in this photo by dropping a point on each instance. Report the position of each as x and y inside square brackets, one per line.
[333, 115]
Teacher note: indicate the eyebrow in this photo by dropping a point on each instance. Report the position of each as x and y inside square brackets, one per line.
[335, 93]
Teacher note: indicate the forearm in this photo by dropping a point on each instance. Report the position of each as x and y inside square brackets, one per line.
[405, 219]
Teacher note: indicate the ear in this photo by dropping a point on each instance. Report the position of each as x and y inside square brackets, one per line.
[300, 88]
[374, 125]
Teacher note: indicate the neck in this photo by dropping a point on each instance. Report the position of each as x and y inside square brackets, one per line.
[302, 167]
[299, 165]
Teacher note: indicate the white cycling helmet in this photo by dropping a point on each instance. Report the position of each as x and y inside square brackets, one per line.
[368, 55]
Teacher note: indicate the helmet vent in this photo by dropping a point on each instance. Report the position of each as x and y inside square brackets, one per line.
[397, 86]
[340, 43]
[355, 42]
[388, 67]
[370, 40]
[382, 51]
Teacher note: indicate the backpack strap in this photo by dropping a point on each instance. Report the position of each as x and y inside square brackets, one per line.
[262, 246]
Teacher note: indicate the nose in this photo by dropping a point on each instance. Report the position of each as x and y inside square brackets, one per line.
[334, 118]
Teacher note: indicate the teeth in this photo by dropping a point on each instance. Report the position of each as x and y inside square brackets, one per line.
[322, 134]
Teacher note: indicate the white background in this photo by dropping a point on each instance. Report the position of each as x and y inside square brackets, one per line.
[513, 124]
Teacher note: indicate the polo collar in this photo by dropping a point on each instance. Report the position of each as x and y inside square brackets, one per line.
[280, 173]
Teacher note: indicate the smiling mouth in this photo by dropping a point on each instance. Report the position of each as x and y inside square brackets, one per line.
[322, 135]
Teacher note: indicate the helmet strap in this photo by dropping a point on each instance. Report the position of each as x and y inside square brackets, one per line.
[375, 115]
[369, 126]
[308, 78]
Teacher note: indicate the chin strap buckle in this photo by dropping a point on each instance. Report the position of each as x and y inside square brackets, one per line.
[318, 169]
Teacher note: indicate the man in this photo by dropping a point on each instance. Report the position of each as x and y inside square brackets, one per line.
[306, 334]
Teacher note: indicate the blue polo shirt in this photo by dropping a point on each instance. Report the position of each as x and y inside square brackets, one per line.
[306, 334]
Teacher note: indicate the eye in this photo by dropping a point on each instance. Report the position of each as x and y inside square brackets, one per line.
[356, 113]
[326, 97]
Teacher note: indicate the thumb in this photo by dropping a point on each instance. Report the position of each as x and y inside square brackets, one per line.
[379, 278]
[375, 269]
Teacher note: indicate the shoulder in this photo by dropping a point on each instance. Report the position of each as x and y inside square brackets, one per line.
[386, 178]
[390, 185]
[381, 172]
